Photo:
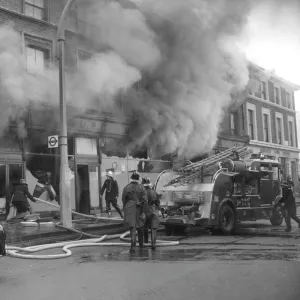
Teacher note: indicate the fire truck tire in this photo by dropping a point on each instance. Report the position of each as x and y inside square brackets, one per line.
[227, 219]
[277, 216]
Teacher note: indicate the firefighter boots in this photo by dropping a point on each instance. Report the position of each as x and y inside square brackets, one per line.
[132, 240]
[141, 238]
[146, 236]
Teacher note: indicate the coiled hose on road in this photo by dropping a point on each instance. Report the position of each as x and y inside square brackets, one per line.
[27, 252]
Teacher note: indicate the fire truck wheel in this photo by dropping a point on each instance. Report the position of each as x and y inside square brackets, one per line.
[227, 219]
[277, 216]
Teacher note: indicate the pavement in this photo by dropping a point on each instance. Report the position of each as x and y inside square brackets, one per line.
[204, 267]
[24, 236]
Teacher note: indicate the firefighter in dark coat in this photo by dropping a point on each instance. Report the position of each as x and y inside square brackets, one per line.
[152, 215]
[134, 200]
[289, 205]
[112, 194]
[19, 197]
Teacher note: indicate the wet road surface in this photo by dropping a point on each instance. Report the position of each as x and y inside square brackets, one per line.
[201, 267]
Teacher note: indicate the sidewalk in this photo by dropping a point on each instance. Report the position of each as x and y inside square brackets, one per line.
[25, 236]
[28, 236]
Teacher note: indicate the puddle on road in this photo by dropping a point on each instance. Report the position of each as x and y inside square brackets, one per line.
[188, 255]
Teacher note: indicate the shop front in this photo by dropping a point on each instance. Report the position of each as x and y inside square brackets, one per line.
[287, 156]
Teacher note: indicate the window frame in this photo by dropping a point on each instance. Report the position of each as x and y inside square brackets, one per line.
[253, 108]
[279, 116]
[39, 43]
[44, 9]
[267, 112]
[292, 120]
[267, 90]
[288, 101]
[276, 86]
[232, 121]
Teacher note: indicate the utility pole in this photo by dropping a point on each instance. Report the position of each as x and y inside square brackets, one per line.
[64, 184]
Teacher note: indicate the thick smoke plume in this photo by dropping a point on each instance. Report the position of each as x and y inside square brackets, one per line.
[191, 66]
[183, 55]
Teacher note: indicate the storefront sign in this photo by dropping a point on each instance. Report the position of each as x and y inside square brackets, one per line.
[275, 152]
[226, 144]
[102, 126]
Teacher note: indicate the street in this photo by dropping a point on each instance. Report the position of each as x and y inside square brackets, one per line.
[201, 267]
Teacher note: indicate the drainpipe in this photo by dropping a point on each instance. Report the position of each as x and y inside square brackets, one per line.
[64, 185]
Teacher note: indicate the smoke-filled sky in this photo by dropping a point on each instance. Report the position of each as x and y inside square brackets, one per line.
[191, 56]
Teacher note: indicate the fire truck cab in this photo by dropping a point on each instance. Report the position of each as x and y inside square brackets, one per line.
[241, 190]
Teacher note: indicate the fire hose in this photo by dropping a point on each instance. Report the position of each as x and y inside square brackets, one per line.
[27, 252]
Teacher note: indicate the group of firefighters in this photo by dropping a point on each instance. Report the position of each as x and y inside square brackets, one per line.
[141, 207]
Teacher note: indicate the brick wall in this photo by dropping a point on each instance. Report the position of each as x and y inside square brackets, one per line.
[15, 5]
[259, 105]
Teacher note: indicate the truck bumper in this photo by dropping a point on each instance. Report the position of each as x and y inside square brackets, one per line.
[184, 222]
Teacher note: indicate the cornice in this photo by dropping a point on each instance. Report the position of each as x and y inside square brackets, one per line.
[276, 146]
[267, 102]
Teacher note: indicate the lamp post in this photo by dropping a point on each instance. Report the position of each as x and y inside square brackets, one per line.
[64, 185]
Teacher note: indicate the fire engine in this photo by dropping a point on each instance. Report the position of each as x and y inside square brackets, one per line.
[221, 191]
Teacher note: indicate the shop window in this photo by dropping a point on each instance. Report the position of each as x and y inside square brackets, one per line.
[113, 147]
[85, 146]
[2, 180]
[15, 173]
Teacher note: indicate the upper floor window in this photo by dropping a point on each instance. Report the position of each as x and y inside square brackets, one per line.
[288, 100]
[36, 59]
[233, 123]
[251, 118]
[266, 125]
[35, 9]
[291, 129]
[277, 95]
[279, 128]
[263, 90]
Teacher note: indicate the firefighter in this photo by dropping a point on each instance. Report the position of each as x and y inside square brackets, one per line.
[134, 200]
[152, 216]
[289, 205]
[111, 194]
[19, 197]
[290, 182]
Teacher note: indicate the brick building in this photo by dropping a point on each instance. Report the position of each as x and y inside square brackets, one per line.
[266, 121]
[271, 119]
[95, 137]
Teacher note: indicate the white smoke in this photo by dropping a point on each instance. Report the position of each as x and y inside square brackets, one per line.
[185, 53]
[190, 62]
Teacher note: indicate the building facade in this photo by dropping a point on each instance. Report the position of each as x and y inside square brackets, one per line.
[271, 119]
[95, 137]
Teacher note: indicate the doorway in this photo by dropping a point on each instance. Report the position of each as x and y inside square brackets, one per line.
[83, 189]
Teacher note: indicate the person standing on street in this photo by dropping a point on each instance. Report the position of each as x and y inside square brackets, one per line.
[112, 194]
[290, 182]
[134, 200]
[152, 216]
[289, 205]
